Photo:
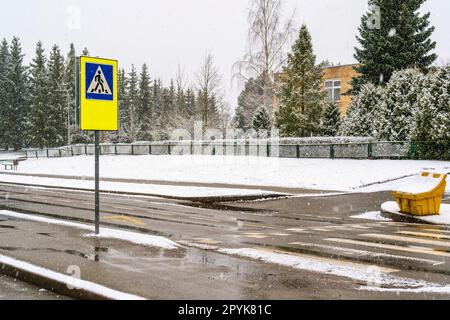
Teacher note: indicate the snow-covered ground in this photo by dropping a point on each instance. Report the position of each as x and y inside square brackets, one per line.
[320, 174]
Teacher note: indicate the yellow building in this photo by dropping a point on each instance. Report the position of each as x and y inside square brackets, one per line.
[335, 84]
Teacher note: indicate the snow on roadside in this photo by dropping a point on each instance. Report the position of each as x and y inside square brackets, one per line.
[443, 218]
[68, 280]
[133, 237]
[373, 215]
[319, 174]
[425, 289]
[150, 189]
[374, 276]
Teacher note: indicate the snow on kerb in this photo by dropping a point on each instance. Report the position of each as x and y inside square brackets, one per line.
[68, 280]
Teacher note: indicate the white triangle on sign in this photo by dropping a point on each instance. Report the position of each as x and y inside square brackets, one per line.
[99, 85]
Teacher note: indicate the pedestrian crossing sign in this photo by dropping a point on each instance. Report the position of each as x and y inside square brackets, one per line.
[98, 94]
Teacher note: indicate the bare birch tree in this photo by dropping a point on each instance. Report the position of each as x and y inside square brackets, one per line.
[208, 86]
[268, 38]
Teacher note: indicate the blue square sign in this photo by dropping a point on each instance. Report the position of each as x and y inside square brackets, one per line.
[99, 82]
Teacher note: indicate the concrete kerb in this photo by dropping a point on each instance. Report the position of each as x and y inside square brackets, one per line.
[211, 199]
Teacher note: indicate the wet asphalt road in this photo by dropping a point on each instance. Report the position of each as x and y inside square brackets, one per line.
[319, 226]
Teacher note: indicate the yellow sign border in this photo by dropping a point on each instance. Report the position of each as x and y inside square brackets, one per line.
[98, 114]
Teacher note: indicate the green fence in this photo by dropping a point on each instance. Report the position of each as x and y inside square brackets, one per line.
[357, 150]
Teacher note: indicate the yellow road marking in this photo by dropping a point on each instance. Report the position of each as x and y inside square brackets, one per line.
[407, 239]
[390, 247]
[426, 235]
[124, 219]
[437, 230]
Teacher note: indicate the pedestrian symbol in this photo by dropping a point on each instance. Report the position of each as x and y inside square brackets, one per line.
[99, 81]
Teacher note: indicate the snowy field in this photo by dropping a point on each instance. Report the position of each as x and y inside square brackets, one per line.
[319, 174]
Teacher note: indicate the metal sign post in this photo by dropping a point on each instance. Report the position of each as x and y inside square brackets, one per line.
[98, 108]
[97, 182]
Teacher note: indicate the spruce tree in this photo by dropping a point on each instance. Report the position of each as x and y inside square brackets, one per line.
[249, 101]
[331, 120]
[190, 102]
[300, 97]
[121, 93]
[17, 95]
[157, 106]
[131, 106]
[144, 110]
[261, 121]
[71, 88]
[56, 130]
[4, 58]
[39, 98]
[400, 39]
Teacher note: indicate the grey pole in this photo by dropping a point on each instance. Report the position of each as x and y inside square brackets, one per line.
[97, 183]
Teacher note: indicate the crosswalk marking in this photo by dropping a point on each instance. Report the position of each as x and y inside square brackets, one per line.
[426, 235]
[390, 247]
[366, 253]
[297, 230]
[406, 239]
[437, 230]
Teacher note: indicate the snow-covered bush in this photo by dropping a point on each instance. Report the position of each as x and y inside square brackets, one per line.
[361, 112]
[432, 132]
[398, 111]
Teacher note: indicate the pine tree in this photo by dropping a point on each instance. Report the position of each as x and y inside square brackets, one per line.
[331, 120]
[261, 121]
[250, 99]
[144, 110]
[362, 112]
[400, 41]
[4, 58]
[17, 95]
[131, 106]
[397, 113]
[56, 130]
[85, 52]
[38, 100]
[300, 97]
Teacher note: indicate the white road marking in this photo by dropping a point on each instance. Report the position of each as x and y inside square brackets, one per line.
[391, 247]
[406, 239]
[367, 253]
[298, 230]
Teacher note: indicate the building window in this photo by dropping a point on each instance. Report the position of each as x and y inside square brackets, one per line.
[333, 90]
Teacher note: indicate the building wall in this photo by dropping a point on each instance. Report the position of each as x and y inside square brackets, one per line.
[343, 73]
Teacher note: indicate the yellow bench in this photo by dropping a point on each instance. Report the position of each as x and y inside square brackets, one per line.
[423, 196]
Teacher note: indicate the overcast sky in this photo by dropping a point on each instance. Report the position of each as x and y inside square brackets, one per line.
[168, 33]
